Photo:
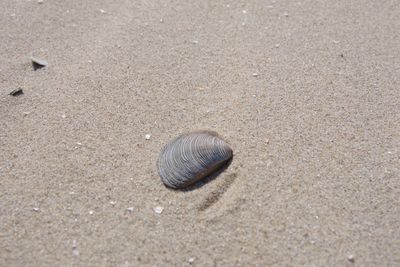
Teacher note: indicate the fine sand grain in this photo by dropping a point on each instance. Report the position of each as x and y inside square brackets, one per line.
[307, 93]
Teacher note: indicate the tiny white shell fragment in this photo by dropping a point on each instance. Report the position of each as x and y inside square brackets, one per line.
[158, 209]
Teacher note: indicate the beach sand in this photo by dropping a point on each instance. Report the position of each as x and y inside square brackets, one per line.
[307, 93]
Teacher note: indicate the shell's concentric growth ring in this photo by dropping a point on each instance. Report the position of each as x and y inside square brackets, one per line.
[192, 157]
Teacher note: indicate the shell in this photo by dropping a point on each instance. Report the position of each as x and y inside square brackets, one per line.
[38, 63]
[191, 157]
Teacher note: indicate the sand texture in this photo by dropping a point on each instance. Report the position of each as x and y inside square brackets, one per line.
[307, 93]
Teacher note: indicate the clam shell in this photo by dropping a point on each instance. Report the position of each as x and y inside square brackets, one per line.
[38, 63]
[191, 157]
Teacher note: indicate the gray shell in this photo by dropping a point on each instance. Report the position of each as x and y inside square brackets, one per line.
[38, 63]
[192, 157]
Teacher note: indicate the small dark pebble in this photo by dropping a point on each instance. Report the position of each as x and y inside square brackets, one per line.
[17, 92]
[341, 55]
[38, 63]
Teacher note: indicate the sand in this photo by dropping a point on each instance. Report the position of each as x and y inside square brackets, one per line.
[307, 93]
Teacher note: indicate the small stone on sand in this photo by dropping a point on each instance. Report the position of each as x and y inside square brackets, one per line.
[158, 209]
[102, 11]
[35, 209]
[255, 74]
[91, 212]
[130, 209]
[350, 258]
[147, 136]
[191, 260]
[38, 63]
[17, 92]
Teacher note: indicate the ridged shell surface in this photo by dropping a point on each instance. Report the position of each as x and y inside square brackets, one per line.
[192, 157]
